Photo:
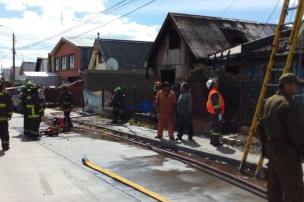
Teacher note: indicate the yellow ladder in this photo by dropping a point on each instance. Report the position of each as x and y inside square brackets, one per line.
[293, 42]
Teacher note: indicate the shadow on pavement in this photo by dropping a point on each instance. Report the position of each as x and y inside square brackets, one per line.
[192, 143]
[2, 153]
[25, 139]
[225, 150]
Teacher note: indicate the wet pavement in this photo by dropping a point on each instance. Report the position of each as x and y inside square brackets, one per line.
[51, 169]
[168, 177]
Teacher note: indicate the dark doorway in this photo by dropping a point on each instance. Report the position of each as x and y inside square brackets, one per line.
[168, 76]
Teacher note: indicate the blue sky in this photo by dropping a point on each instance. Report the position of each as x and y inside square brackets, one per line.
[36, 20]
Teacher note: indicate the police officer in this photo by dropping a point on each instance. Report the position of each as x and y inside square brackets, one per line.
[117, 104]
[281, 131]
[66, 102]
[26, 121]
[216, 109]
[6, 112]
[34, 110]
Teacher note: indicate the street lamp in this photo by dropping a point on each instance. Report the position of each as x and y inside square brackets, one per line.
[13, 54]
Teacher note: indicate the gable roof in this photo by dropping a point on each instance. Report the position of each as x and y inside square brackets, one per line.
[129, 54]
[203, 34]
[77, 42]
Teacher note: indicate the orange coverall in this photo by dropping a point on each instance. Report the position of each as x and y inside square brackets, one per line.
[166, 112]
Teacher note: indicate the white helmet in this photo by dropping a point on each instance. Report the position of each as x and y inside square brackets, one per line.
[209, 83]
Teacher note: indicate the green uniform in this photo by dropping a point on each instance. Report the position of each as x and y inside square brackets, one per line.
[281, 130]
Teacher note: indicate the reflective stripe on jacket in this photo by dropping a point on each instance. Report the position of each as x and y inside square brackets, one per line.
[221, 103]
[6, 105]
[33, 106]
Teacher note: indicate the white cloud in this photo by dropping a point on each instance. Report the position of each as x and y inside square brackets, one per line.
[42, 19]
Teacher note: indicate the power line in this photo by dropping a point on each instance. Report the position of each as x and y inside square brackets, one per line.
[269, 18]
[228, 8]
[109, 10]
[5, 56]
[116, 19]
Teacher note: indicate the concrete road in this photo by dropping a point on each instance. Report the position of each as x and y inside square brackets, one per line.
[51, 169]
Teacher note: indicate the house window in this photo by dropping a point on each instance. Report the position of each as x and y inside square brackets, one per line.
[101, 60]
[71, 61]
[63, 63]
[57, 64]
[234, 36]
[62, 82]
[174, 40]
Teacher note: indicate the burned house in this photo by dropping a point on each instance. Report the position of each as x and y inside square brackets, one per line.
[186, 41]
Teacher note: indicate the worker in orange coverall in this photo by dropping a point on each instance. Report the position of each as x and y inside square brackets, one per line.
[165, 108]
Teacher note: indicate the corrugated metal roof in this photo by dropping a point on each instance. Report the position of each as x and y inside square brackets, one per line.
[129, 54]
[203, 34]
[80, 42]
[28, 66]
[40, 74]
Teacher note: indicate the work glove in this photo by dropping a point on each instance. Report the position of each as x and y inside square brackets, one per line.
[220, 117]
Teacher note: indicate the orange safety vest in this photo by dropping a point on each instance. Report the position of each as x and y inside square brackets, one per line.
[221, 103]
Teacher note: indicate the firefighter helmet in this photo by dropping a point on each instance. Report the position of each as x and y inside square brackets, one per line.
[28, 85]
[158, 84]
[117, 90]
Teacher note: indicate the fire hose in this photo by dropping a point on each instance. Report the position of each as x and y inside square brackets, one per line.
[125, 181]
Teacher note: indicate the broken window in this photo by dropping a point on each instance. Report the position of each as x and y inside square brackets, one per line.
[63, 63]
[174, 40]
[57, 64]
[101, 60]
[71, 57]
[234, 36]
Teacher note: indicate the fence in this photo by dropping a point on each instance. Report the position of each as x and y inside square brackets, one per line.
[137, 100]
[255, 59]
[52, 95]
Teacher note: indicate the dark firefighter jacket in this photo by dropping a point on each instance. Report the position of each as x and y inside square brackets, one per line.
[6, 105]
[66, 100]
[281, 120]
[33, 105]
[117, 102]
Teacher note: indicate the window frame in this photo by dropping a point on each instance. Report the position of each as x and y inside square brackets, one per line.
[63, 63]
[72, 64]
[57, 66]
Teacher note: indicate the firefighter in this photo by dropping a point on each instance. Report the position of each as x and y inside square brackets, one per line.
[165, 108]
[66, 102]
[34, 110]
[26, 123]
[117, 104]
[6, 112]
[216, 109]
[281, 131]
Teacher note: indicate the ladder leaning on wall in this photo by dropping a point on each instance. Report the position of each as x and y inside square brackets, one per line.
[292, 41]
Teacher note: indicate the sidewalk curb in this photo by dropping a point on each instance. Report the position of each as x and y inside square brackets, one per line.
[166, 144]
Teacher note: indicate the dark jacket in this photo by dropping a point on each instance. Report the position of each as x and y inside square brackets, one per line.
[118, 101]
[6, 105]
[281, 120]
[66, 100]
[185, 103]
[33, 105]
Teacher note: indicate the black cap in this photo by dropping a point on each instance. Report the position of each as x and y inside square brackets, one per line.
[290, 78]
[166, 84]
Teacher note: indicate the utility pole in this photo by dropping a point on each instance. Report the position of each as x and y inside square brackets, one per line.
[14, 60]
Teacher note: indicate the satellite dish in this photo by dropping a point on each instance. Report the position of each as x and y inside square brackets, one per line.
[111, 64]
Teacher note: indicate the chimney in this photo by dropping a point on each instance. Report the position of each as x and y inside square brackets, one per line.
[98, 35]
